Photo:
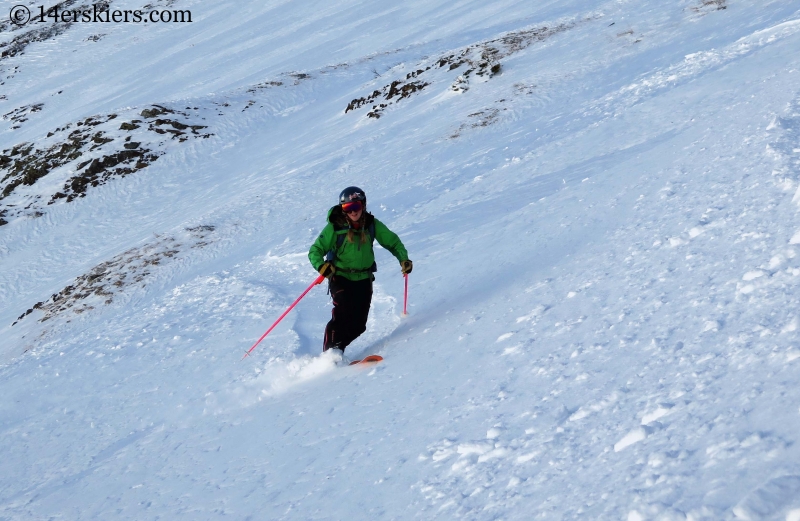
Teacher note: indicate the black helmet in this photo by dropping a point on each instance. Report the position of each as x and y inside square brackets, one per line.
[352, 193]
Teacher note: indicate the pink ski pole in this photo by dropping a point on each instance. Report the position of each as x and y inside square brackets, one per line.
[405, 297]
[317, 281]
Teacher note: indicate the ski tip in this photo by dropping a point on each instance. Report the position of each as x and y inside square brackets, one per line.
[369, 359]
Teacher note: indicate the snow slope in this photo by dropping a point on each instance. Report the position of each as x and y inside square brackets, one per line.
[602, 216]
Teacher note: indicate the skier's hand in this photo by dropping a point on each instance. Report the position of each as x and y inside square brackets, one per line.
[406, 267]
[327, 270]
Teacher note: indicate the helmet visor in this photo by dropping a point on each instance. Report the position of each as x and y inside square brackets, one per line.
[352, 207]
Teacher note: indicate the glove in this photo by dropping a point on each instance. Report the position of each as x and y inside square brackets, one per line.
[327, 270]
[406, 266]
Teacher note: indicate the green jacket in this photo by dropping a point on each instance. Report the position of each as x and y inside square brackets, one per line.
[353, 255]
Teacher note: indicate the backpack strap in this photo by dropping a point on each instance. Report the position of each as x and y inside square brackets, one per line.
[340, 234]
[331, 255]
[371, 231]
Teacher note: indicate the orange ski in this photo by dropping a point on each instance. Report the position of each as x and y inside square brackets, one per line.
[370, 359]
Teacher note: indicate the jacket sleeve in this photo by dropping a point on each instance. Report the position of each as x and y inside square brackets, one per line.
[321, 247]
[389, 240]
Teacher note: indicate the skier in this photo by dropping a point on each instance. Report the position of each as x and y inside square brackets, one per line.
[343, 254]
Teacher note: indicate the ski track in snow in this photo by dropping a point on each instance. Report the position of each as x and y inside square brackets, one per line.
[604, 306]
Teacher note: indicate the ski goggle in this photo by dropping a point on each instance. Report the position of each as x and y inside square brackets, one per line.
[352, 206]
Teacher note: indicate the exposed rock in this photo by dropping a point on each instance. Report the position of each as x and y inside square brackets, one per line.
[108, 280]
[98, 156]
[481, 60]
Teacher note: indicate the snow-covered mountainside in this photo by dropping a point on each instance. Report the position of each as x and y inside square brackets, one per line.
[600, 198]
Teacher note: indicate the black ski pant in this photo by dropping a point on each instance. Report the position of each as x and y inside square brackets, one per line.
[351, 301]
